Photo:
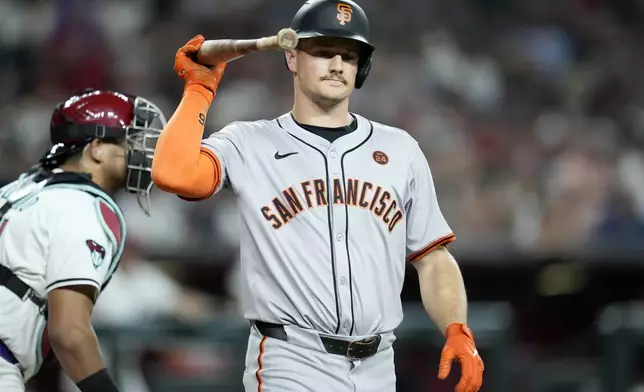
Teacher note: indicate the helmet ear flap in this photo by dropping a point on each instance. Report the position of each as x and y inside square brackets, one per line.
[363, 72]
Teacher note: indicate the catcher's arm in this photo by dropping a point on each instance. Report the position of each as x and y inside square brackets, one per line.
[180, 166]
[73, 339]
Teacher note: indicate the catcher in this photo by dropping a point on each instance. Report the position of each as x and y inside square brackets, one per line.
[62, 235]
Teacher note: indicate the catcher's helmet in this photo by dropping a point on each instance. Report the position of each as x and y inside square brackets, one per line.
[108, 115]
[337, 18]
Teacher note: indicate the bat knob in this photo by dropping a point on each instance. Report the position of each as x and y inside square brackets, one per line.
[287, 39]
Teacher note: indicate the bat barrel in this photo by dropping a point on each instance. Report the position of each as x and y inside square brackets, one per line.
[213, 52]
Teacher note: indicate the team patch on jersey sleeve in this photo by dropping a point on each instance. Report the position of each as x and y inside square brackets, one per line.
[97, 252]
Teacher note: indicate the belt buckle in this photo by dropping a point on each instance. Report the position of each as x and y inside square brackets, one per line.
[364, 343]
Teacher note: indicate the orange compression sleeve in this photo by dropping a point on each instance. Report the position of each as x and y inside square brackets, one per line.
[180, 165]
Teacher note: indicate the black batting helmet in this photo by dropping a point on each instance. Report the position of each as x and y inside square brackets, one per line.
[337, 18]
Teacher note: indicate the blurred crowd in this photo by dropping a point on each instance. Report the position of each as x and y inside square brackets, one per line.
[531, 113]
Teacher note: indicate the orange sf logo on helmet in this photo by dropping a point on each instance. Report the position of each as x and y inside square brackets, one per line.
[344, 13]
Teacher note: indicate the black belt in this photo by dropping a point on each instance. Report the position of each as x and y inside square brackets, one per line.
[358, 349]
[9, 280]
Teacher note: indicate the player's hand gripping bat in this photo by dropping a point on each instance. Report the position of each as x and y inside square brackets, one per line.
[213, 52]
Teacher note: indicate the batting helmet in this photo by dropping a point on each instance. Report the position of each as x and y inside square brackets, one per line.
[108, 115]
[337, 18]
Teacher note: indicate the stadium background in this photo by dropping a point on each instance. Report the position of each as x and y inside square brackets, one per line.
[531, 114]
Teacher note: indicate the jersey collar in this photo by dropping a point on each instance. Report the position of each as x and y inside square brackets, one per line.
[58, 176]
[342, 144]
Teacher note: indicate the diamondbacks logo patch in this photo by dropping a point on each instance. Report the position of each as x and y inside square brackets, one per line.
[97, 253]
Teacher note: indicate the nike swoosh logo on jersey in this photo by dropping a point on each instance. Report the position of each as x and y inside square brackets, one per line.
[282, 156]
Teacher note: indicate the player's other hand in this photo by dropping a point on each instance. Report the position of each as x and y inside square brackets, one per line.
[193, 73]
[460, 346]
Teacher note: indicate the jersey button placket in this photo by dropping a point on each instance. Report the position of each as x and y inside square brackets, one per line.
[334, 162]
[342, 259]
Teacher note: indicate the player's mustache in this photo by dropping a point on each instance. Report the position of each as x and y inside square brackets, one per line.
[337, 78]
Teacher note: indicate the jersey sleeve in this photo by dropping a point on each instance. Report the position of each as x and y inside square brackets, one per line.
[427, 229]
[80, 251]
[224, 148]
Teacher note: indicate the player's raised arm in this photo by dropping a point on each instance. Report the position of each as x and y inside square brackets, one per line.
[180, 165]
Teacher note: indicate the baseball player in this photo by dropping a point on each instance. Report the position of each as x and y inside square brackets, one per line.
[62, 235]
[332, 206]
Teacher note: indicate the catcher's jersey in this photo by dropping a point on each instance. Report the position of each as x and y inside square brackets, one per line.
[62, 230]
[328, 227]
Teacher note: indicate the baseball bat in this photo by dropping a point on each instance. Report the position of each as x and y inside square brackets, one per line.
[213, 52]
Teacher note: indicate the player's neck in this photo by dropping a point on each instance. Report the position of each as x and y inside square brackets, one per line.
[305, 111]
[96, 175]
[99, 179]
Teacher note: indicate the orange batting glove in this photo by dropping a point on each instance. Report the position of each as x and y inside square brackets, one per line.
[460, 346]
[194, 74]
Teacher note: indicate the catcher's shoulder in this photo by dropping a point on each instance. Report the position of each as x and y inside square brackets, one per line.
[67, 203]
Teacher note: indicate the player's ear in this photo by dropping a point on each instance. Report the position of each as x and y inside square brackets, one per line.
[291, 60]
[97, 150]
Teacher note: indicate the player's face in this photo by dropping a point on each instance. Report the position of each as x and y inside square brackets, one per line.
[326, 68]
[116, 163]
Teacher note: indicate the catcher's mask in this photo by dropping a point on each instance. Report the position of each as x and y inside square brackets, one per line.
[112, 117]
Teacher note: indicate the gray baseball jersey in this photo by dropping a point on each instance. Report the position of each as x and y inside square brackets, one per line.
[327, 227]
